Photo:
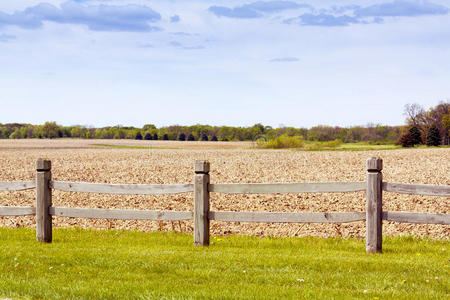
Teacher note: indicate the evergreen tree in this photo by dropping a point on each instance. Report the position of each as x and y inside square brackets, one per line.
[214, 138]
[155, 136]
[433, 136]
[148, 136]
[165, 137]
[191, 137]
[406, 140]
[204, 137]
[415, 134]
[182, 137]
[138, 136]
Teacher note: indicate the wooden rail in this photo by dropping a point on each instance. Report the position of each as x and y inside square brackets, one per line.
[413, 217]
[417, 189]
[17, 211]
[121, 214]
[17, 185]
[202, 215]
[283, 217]
[130, 189]
[276, 188]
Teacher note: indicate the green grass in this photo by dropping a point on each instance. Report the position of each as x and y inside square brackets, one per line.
[88, 264]
[363, 147]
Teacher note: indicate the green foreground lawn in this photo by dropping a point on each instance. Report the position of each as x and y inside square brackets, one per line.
[124, 264]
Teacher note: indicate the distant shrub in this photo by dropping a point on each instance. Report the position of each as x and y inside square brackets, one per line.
[191, 137]
[165, 137]
[325, 145]
[416, 136]
[148, 136]
[204, 137]
[182, 137]
[281, 142]
[406, 140]
[433, 136]
[138, 136]
[15, 135]
[332, 144]
[155, 137]
[214, 138]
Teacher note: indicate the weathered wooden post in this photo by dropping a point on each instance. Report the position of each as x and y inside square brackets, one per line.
[201, 203]
[374, 205]
[43, 201]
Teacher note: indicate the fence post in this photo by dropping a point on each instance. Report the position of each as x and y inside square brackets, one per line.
[374, 205]
[43, 200]
[201, 203]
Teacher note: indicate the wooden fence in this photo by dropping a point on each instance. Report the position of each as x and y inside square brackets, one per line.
[202, 215]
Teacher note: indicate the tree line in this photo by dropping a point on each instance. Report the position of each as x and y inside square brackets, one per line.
[370, 133]
[420, 122]
[430, 127]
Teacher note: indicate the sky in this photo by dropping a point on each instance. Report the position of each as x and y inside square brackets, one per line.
[280, 63]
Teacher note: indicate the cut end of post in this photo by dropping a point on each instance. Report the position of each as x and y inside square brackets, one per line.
[201, 167]
[374, 164]
[43, 165]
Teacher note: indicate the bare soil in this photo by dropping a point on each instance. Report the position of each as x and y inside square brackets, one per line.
[172, 162]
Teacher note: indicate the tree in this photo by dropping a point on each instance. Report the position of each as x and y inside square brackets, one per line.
[148, 127]
[182, 137]
[148, 136]
[138, 136]
[191, 137]
[50, 130]
[406, 140]
[15, 134]
[433, 136]
[204, 137]
[214, 138]
[446, 127]
[414, 113]
[165, 137]
[155, 137]
[416, 136]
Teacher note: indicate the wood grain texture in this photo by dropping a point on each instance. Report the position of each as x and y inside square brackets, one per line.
[43, 202]
[201, 209]
[17, 210]
[121, 214]
[17, 185]
[131, 189]
[414, 217]
[276, 188]
[284, 217]
[417, 189]
[374, 206]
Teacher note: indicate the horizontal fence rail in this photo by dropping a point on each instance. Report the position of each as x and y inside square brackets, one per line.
[17, 185]
[419, 218]
[202, 215]
[121, 214]
[417, 189]
[130, 189]
[283, 217]
[12, 211]
[276, 188]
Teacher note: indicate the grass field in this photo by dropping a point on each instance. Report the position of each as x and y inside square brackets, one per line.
[87, 264]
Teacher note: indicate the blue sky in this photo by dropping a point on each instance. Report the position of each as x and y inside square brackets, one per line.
[296, 63]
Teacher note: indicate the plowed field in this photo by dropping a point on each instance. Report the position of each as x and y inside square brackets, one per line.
[172, 162]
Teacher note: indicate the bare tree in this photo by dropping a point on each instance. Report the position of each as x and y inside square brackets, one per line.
[414, 113]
